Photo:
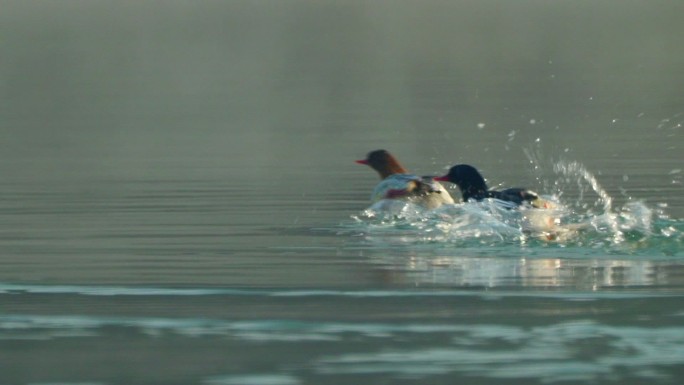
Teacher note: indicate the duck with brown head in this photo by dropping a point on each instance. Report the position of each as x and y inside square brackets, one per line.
[398, 183]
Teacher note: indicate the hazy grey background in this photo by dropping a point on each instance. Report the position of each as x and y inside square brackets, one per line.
[149, 89]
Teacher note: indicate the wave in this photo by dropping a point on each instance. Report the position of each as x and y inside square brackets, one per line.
[555, 351]
[97, 291]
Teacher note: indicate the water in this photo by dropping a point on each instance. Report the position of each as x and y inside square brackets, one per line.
[180, 205]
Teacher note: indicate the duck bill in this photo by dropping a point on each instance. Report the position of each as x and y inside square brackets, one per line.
[362, 161]
[441, 178]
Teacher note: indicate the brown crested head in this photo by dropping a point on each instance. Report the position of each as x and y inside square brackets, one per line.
[384, 163]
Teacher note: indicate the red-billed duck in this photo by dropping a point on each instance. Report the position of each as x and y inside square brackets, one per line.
[397, 183]
[473, 186]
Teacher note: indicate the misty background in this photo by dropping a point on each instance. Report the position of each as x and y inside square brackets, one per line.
[289, 90]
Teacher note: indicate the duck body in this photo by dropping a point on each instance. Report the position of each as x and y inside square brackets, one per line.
[398, 183]
[514, 197]
[473, 187]
[423, 191]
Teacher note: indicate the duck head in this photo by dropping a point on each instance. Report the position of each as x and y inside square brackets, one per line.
[468, 179]
[383, 162]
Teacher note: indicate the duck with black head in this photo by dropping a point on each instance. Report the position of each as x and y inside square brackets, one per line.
[398, 183]
[473, 187]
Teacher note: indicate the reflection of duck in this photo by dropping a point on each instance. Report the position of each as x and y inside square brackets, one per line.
[454, 271]
[473, 186]
[397, 183]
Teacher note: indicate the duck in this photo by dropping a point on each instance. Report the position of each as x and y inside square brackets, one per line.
[397, 183]
[473, 187]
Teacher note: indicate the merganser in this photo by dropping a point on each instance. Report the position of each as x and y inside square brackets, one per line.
[397, 183]
[473, 186]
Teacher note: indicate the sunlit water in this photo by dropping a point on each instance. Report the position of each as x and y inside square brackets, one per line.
[179, 202]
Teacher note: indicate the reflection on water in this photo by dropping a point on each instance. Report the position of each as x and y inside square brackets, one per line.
[539, 272]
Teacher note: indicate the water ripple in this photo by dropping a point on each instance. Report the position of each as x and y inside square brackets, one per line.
[572, 351]
[19, 289]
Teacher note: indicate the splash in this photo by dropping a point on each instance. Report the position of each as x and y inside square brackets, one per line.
[587, 185]
[577, 173]
[583, 215]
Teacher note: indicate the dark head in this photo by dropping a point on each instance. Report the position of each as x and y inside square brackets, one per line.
[468, 180]
[384, 163]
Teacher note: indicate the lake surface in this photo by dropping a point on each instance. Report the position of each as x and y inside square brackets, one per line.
[180, 205]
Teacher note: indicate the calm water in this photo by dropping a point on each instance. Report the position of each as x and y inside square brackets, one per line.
[179, 202]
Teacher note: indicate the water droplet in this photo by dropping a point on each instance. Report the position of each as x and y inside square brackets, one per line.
[511, 136]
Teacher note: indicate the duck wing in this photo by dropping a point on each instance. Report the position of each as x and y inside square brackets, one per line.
[398, 186]
[395, 186]
[516, 195]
